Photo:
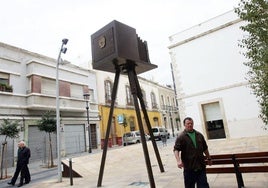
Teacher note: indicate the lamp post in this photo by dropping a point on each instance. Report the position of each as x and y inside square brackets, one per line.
[62, 50]
[86, 97]
[175, 92]
[171, 121]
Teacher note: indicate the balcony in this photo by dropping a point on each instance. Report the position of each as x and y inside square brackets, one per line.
[169, 108]
[41, 102]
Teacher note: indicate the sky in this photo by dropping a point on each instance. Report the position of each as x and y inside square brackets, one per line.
[40, 25]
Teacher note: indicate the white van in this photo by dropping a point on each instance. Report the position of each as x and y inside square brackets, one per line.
[132, 137]
[160, 132]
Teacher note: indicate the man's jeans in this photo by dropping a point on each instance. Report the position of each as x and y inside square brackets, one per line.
[192, 177]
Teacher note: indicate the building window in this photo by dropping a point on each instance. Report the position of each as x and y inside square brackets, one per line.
[4, 82]
[156, 122]
[76, 91]
[108, 91]
[168, 101]
[132, 124]
[144, 98]
[173, 102]
[4, 78]
[129, 96]
[162, 100]
[43, 85]
[153, 99]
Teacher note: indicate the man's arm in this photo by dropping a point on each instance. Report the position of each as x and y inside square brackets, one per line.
[178, 158]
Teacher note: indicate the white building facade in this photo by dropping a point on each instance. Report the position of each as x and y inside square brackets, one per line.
[33, 92]
[210, 79]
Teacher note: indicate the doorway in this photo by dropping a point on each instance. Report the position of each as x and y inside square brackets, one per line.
[213, 120]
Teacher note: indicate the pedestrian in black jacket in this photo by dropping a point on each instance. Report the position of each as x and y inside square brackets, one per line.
[24, 153]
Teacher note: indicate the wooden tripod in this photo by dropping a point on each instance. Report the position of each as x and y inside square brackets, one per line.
[129, 68]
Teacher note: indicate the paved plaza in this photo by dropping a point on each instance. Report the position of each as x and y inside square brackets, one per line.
[126, 167]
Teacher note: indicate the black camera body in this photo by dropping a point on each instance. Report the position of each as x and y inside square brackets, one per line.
[119, 43]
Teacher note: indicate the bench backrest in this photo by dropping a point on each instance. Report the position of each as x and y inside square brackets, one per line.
[236, 159]
[253, 157]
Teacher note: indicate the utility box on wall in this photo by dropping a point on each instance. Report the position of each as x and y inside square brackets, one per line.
[117, 42]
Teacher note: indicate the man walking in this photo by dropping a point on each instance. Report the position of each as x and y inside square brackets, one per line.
[24, 154]
[188, 149]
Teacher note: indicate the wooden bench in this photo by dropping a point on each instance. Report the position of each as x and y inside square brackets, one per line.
[239, 163]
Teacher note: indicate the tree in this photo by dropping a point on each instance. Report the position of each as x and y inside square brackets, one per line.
[48, 124]
[10, 129]
[255, 15]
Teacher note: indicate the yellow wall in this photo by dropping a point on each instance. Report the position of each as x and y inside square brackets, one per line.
[119, 128]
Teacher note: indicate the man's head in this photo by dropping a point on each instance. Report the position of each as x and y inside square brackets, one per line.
[21, 144]
[188, 124]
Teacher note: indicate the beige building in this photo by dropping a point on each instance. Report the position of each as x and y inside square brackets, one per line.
[169, 110]
[124, 107]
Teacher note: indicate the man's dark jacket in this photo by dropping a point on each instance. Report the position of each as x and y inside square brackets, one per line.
[23, 156]
[192, 158]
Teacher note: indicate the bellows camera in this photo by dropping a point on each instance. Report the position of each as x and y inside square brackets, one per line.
[117, 43]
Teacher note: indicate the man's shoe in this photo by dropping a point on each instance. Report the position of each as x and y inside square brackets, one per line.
[10, 183]
[28, 181]
[20, 185]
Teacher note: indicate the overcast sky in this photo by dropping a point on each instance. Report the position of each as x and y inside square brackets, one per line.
[40, 25]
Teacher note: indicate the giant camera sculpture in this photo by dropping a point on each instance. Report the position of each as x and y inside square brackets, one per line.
[117, 42]
[117, 48]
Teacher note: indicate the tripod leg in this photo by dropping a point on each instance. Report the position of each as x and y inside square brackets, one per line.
[148, 124]
[131, 76]
[116, 80]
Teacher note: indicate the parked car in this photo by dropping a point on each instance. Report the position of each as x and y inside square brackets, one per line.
[160, 132]
[132, 137]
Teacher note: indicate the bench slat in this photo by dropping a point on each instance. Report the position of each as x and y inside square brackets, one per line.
[252, 169]
[243, 169]
[220, 170]
[252, 160]
[240, 160]
[252, 154]
[240, 155]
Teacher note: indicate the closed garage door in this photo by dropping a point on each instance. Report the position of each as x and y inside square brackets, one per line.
[74, 136]
[39, 144]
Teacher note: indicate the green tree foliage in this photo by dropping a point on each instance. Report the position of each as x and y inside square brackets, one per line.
[48, 124]
[255, 15]
[9, 129]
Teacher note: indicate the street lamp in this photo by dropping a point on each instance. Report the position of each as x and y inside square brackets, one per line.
[86, 97]
[171, 121]
[62, 50]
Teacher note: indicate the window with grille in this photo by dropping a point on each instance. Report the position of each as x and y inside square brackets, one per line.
[153, 99]
[108, 91]
[129, 96]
